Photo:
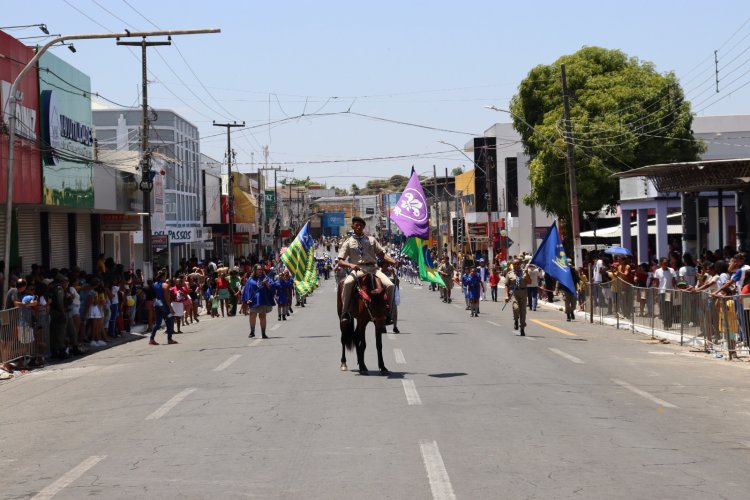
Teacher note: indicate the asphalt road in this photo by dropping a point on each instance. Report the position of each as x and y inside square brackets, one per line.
[471, 411]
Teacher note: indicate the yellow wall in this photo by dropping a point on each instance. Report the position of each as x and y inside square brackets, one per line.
[465, 183]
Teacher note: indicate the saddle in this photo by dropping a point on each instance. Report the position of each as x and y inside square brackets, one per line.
[369, 285]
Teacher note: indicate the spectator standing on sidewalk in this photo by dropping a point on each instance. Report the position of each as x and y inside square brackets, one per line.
[665, 278]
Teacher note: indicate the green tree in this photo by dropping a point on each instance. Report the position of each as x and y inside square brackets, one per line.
[624, 115]
[457, 171]
[355, 189]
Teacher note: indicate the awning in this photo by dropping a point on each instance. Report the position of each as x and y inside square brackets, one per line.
[244, 207]
[695, 176]
[616, 231]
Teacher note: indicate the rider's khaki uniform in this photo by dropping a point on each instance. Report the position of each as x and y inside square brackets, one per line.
[363, 251]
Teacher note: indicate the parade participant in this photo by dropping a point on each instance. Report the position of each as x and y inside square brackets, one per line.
[516, 281]
[258, 295]
[474, 286]
[282, 287]
[446, 273]
[494, 280]
[532, 290]
[394, 302]
[464, 279]
[162, 308]
[568, 298]
[360, 253]
[484, 275]
[222, 290]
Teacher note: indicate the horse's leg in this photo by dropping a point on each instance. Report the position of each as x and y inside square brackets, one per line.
[361, 346]
[379, 331]
[343, 357]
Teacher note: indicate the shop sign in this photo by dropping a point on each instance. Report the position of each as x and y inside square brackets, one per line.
[182, 235]
[241, 238]
[270, 201]
[159, 241]
[120, 222]
[203, 245]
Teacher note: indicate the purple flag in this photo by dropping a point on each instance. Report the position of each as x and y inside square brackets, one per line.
[411, 213]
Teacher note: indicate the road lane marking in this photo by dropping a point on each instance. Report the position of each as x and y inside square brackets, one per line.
[412, 396]
[399, 354]
[554, 328]
[440, 483]
[643, 394]
[275, 327]
[254, 343]
[392, 336]
[226, 363]
[67, 478]
[565, 355]
[170, 404]
[493, 323]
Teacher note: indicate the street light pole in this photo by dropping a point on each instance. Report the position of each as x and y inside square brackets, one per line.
[146, 184]
[13, 101]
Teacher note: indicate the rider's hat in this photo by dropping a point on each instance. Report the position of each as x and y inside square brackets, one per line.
[358, 219]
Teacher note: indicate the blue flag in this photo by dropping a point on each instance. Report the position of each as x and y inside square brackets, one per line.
[551, 257]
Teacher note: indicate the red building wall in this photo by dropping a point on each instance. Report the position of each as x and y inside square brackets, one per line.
[27, 172]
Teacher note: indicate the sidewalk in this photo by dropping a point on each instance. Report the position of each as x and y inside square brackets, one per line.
[137, 332]
[664, 337]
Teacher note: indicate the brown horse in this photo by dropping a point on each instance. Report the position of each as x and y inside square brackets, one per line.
[369, 303]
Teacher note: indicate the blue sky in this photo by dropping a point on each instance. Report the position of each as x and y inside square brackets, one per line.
[431, 63]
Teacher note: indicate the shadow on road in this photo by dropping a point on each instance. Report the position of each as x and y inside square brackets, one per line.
[447, 375]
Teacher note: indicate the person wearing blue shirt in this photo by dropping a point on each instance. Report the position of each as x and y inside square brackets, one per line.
[283, 286]
[258, 295]
[473, 286]
[464, 280]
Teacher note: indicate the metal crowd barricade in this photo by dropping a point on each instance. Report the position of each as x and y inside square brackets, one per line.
[24, 335]
[719, 324]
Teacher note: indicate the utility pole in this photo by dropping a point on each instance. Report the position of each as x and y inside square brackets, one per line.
[488, 198]
[276, 200]
[230, 183]
[447, 210]
[146, 184]
[437, 210]
[571, 173]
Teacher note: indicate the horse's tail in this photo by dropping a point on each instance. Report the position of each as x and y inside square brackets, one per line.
[347, 333]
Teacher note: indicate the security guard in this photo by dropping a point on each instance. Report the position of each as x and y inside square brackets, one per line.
[360, 253]
[516, 281]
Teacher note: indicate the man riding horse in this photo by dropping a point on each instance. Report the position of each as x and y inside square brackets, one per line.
[360, 253]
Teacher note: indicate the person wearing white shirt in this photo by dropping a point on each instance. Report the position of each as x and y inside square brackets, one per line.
[665, 276]
[687, 272]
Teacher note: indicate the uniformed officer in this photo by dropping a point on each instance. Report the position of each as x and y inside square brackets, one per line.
[446, 272]
[360, 253]
[516, 281]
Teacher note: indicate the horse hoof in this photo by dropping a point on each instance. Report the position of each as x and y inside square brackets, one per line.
[344, 367]
[364, 371]
[384, 372]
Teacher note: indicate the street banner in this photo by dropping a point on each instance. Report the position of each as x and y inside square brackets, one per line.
[551, 257]
[411, 213]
